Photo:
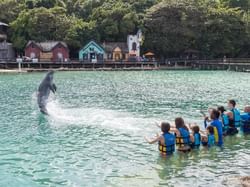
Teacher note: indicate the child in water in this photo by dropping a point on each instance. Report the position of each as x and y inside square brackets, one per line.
[207, 138]
[195, 137]
[227, 120]
[182, 135]
[166, 140]
[216, 123]
[234, 116]
[245, 120]
[224, 118]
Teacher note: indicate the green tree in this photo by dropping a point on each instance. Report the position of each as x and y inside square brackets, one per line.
[114, 20]
[9, 10]
[225, 32]
[173, 26]
[40, 24]
[79, 34]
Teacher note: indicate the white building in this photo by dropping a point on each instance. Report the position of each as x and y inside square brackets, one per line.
[134, 44]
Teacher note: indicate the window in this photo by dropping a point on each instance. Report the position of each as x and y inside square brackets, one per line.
[85, 56]
[60, 57]
[134, 46]
[109, 56]
[32, 55]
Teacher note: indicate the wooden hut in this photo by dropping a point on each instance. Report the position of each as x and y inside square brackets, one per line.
[51, 51]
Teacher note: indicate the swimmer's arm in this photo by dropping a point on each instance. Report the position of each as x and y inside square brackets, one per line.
[175, 131]
[230, 114]
[191, 137]
[203, 133]
[152, 140]
[206, 120]
[189, 126]
[158, 124]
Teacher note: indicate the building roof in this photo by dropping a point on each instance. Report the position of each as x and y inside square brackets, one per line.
[110, 46]
[3, 24]
[47, 46]
[92, 43]
[149, 54]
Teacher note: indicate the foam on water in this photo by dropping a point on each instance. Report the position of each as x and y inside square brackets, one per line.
[104, 118]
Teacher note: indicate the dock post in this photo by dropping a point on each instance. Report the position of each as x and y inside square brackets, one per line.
[19, 66]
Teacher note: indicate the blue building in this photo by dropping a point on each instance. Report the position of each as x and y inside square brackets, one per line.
[92, 52]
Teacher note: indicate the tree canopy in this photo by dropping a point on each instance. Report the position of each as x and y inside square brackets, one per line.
[170, 27]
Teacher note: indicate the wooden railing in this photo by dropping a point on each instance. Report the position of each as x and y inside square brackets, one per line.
[167, 62]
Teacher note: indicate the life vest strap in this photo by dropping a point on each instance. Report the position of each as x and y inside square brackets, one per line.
[166, 149]
[180, 140]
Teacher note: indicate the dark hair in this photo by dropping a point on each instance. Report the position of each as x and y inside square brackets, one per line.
[231, 101]
[210, 129]
[196, 129]
[215, 114]
[179, 123]
[165, 127]
[221, 109]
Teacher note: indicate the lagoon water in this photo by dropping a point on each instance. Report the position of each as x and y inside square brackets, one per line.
[94, 134]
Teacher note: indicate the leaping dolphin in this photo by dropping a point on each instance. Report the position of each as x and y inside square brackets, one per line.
[44, 89]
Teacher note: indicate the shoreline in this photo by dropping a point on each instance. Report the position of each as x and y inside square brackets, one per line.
[30, 70]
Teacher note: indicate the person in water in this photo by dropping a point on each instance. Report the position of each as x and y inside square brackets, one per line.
[195, 137]
[208, 138]
[227, 122]
[234, 117]
[245, 120]
[166, 140]
[182, 135]
[224, 118]
[216, 123]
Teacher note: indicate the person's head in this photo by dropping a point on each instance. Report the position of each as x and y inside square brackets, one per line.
[195, 129]
[210, 130]
[247, 109]
[179, 122]
[231, 104]
[215, 114]
[221, 109]
[165, 127]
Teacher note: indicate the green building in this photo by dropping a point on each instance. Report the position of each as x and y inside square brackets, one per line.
[92, 52]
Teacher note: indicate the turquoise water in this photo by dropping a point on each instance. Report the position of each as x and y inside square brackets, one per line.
[94, 135]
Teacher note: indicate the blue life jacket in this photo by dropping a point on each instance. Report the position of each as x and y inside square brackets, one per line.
[210, 140]
[225, 121]
[218, 131]
[184, 139]
[245, 122]
[197, 141]
[237, 117]
[169, 146]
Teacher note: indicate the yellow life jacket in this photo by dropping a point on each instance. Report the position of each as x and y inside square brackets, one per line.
[216, 135]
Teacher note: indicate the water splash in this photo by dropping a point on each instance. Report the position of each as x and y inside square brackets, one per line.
[60, 116]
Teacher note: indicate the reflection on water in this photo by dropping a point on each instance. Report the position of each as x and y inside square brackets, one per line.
[94, 134]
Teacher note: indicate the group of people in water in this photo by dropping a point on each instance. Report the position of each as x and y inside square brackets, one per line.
[219, 123]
